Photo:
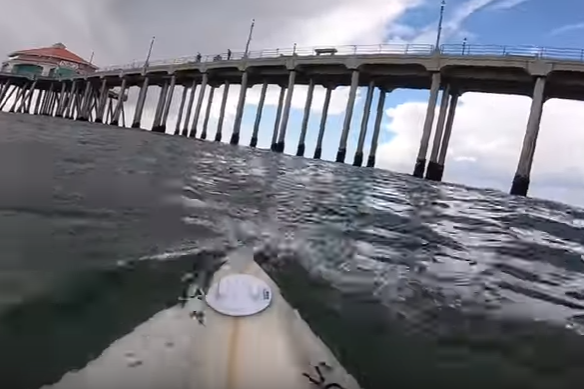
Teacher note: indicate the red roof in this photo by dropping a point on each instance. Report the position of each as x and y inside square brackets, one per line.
[58, 51]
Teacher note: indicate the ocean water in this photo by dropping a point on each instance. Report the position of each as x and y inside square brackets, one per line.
[412, 284]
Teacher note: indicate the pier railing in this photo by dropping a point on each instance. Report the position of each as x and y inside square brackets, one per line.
[568, 54]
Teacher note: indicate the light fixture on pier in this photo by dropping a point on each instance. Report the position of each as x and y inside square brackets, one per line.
[439, 34]
[147, 62]
[249, 38]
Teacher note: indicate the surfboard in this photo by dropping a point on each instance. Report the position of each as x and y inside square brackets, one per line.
[239, 334]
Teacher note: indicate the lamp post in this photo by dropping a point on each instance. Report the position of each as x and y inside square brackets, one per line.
[249, 38]
[439, 34]
[147, 62]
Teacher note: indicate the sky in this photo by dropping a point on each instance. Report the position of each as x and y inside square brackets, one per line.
[488, 129]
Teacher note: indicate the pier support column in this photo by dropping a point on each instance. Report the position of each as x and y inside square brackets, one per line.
[219, 133]
[77, 104]
[323, 117]
[44, 100]
[4, 90]
[119, 104]
[278, 117]
[304, 128]
[83, 115]
[520, 184]
[342, 152]
[185, 131]
[19, 96]
[49, 99]
[101, 101]
[181, 109]
[193, 133]
[427, 131]
[446, 136]
[70, 102]
[280, 145]
[258, 119]
[136, 122]
[168, 101]
[28, 100]
[358, 160]
[208, 112]
[20, 100]
[38, 103]
[160, 107]
[65, 102]
[376, 128]
[432, 171]
[8, 96]
[61, 105]
[239, 113]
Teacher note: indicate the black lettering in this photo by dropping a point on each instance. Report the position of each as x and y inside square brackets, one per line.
[320, 381]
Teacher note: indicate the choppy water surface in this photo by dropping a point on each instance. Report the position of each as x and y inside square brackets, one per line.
[412, 284]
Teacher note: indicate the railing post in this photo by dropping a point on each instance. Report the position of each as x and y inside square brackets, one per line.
[354, 49]
[407, 48]
[380, 49]
[504, 50]
[541, 52]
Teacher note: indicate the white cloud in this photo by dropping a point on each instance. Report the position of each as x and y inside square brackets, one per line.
[507, 4]
[486, 142]
[567, 28]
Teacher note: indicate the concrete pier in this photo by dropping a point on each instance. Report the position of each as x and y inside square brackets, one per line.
[168, 102]
[280, 144]
[376, 128]
[120, 104]
[520, 184]
[258, 119]
[446, 136]
[432, 169]
[358, 160]
[181, 110]
[219, 133]
[140, 104]
[342, 151]
[322, 127]
[185, 131]
[278, 118]
[427, 130]
[239, 113]
[208, 112]
[91, 94]
[305, 118]
[202, 91]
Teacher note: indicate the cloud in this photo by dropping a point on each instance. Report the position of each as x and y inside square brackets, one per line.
[567, 28]
[507, 4]
[486, 142]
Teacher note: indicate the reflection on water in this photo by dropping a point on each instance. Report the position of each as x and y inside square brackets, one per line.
[410, 283]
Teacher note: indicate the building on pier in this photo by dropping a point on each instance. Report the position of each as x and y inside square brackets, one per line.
[53, 61]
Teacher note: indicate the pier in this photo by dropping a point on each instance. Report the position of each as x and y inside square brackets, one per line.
[447, 72]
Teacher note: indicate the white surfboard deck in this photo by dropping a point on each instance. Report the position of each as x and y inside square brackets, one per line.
[274, 348]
